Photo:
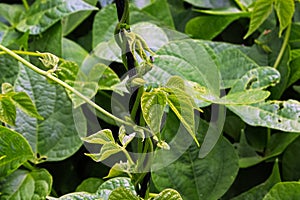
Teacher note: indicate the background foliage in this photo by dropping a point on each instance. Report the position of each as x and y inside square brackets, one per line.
[242, 55]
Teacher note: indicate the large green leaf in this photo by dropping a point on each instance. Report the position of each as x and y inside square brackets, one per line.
[73, 52]
[14, 148]
[9, 69]
[23, 184]
[7, 111]
[281, 115]
[259, 191]
[77, 196]
[108, 186]
[56, 137]
[181, 58]
[43, 14]
[196, 178]
[285, 10]
[262, 10]
[208, 27]
[153, 104]
[11, 13]
[284, 190]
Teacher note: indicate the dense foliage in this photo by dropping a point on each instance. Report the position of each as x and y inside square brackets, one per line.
[152, 99]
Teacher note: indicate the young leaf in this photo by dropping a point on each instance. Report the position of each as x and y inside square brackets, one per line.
[118, 169]
[285, 10]
[281, 115]
[43, 14]
[7, 111]
[68, 70]
[168, 194]
[23, 101]
[122, 193]
[14, 151]
[29, 185]
[183, 106]
[102, 137]
[108, 186]
[7, 88]
[153, 104]
[106, 151]
[245, 97]
[262, 10]
[284, 190]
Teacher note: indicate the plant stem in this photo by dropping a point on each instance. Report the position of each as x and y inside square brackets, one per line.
[28, 53]
[283, 47]
[60, 82]
[25, 3]
[128, 156]
[240, 5]
[136, 103]
[28, 166]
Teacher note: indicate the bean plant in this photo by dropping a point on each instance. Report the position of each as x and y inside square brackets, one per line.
[149, 99]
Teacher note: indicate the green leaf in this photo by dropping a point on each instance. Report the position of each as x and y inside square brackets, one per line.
[285, 10]
[160, 10]
[107, 150]
[23, 101]
[7, 88]
[118, 169]
[108, 186]
[262, 10]
[101, 137]
[284, 190]
[68, 70]
[9, 69]
[56, 137]
[196, 178]
[7, 111]
[277, 144]
[209, 3]
[258, 78]
[208, 27]
[72, 21]
[71, 51]
[168, 194]
[259, 191]
[225, 12]
[89, 185]
[281, 115]
[122, 193]
[245, 97]
[43, 14]
[290, 163]
[33, 185]
[181, 58]
[11, 13]
[77, 196]
[182, 105]
[15, 149]
[295, 71]
[153, 104]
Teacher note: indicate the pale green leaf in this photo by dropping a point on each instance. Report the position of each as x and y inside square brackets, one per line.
[153, 104]
[209, 3]
[24, 103]
[281, 115]
[68, 70]
[122, 193]
[285, 10]
[107, 150]
[15, 149]
[245, 97]
[90, 185]
[11, 12]
[44, 14]
[77, 196]
[23, 184]
[126, 139]
[262, 10]
[118, 169]
[168, 194]
[284, 190]
[7, 88]
[72, 51]
[196, 178]
[108, 186]
[7, 111]
[101, 137]
[55, 137]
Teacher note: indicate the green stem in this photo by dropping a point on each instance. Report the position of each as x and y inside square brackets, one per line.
[240, 5]
[136, 103]
[128, 156]
[60, 82]
[28, 166]
[28, 53]
[25, 3]
[283, 47]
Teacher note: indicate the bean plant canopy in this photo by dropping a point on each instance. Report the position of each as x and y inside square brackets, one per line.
[149, 99]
